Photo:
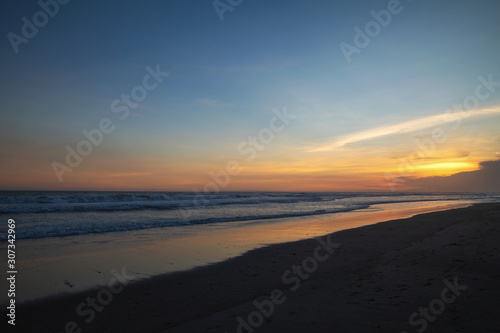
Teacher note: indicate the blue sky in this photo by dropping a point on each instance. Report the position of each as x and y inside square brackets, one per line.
[225, 79]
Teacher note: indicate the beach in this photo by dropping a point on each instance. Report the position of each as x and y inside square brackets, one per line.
[375, 278]
[72, 242]
[250, 166]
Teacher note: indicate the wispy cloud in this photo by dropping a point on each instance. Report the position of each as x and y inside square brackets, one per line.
[404, 127]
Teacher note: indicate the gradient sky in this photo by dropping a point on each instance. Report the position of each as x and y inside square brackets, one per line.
[357, 125]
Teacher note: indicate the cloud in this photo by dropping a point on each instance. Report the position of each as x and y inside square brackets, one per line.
[486, 179]
[404, 127]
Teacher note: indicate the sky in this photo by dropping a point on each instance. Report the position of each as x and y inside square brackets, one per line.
[281, 95]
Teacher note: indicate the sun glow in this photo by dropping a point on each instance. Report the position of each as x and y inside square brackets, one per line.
[446, 168]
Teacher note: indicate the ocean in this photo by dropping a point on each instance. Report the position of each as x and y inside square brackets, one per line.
[42, 214]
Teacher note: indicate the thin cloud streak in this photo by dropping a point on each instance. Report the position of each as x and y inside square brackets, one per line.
[404, 127]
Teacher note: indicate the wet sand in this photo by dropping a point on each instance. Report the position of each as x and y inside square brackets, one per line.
[377, 278]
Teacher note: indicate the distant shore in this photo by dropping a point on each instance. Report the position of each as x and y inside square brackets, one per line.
[369, 279]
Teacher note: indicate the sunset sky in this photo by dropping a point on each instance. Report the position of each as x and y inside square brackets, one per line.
[268, 89]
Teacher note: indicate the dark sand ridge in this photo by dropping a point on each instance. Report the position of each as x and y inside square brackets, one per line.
[373, 282]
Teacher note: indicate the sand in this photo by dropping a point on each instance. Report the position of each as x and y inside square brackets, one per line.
[377, 278]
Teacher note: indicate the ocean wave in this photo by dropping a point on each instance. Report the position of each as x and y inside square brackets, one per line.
[45, 203]
[59, 214]
[191, 218]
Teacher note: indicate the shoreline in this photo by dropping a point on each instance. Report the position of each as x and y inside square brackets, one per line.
[72, 264]
[381, 273]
